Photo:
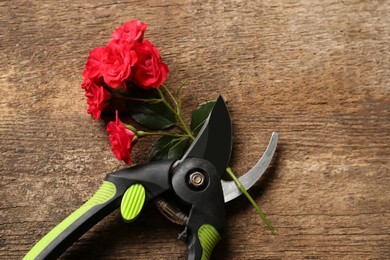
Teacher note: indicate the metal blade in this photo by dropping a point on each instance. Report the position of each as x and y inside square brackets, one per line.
[230, 190]
[214, 141]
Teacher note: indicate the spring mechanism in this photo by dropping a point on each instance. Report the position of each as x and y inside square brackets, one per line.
[170, 211]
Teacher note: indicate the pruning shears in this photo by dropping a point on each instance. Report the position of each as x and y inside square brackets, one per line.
[194, 182]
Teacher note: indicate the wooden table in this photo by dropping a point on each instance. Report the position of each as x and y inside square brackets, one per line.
[318, 73]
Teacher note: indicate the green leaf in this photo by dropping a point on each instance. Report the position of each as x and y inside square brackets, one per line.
[152, 115]
[200, 115]
[169, 147]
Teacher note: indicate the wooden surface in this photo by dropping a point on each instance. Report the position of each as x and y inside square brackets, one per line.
[315, 71]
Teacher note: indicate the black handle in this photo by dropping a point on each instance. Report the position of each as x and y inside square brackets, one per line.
[154, 179]
[54, 243]
[206, 220]
[202, 236]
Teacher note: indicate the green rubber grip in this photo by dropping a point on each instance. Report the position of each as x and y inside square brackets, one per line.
[208, 237]
[132, 202]
[63, 231]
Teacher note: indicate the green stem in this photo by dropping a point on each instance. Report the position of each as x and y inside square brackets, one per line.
[185, 127]
[249, 197]
[182, 84]
[172, 97]
[176, 111]
[143, 133]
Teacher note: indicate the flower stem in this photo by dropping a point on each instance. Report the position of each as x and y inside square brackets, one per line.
[182, 84]
[251, 200]
[172, 97]
[176, 111]
[143, 133]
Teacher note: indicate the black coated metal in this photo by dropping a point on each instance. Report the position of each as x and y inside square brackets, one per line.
[214, 141]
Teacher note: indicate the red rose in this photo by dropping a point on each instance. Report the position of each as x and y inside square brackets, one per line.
[149, 71]
[94, 63]
[117, 63]
[120, 139]
[130, 31]
[97, 97]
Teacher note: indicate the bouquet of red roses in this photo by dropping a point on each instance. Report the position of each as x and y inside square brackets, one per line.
[127, 76]
[127, 59]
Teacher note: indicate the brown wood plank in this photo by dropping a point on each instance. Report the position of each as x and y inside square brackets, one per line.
[315, 71]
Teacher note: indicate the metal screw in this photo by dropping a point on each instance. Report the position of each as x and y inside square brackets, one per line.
[196, 179]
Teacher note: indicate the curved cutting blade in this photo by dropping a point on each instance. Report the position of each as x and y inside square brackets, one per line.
[214, 141]
[230, 190]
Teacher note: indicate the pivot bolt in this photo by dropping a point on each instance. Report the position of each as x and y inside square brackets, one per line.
[196, 179]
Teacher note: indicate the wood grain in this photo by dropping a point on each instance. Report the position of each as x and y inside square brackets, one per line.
[315, 71]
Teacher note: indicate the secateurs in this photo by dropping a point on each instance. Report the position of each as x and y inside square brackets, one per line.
[194, 180]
